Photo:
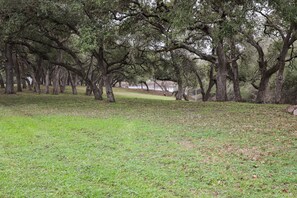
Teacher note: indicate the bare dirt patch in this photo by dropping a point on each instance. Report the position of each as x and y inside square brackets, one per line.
[187, 144]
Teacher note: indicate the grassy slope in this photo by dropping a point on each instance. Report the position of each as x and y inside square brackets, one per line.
[72, 146]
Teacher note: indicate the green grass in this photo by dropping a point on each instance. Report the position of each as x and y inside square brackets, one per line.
[144, 146]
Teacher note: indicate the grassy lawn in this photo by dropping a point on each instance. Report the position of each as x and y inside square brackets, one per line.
[144, 146]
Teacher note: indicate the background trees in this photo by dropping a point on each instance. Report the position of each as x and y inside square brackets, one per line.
[100, 43]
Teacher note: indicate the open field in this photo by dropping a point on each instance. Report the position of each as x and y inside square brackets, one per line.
[144, 146]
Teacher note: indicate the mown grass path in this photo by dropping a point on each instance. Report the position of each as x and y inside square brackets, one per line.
[142, 146]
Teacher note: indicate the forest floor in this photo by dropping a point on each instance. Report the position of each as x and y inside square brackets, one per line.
[144, 146]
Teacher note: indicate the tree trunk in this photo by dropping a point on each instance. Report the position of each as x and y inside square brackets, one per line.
[97, 92]
[73, 82]
[23, 75]
[200, 84]
[177, 70]
[63, 79]
[47, 81]
[1, 81]
[146, 85]
[18, 74]
[180, 90]
[281, 67]
[156, 83]
[89, 89]
[211, 83]
[9, 89]
[235, 73]
[108, 88]
[106, 76]
[36, 84]
[29, 84]
[24, 83]
[262, 89]
[279, 84]
[56, 80]
[221, 92]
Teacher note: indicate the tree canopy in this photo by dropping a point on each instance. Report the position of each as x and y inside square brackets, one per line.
[218, 47]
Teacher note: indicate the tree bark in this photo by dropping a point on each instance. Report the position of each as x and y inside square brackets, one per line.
[156, 83]
[73, 82]
[9, 89]
[28, 83]
[147, 87]
[180, 89]
[200, 83]
[206, 95]
[56, 80]
[23, 75]
[106, 76]
[279, 66]
[108, 88]
[281, 63]
[18, 73]
[211, 83]
[93, 87]
[177, 70]
[24, 84]
[221, 92]
[235, 73]
[47, 81]
[262, 88]
[89, 90]
[63, 79]
[1, 81]
[36, 84]
[279, 84]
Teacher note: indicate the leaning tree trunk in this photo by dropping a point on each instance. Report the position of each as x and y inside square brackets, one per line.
[9, 89]
[1, 81]
[200, 83]
[221, 92]
[262, 88]
[146, 85]
[108, 88]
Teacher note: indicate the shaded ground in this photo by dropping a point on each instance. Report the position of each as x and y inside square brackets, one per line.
[141, 146]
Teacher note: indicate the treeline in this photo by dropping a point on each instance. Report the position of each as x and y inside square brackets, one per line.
[221, 47]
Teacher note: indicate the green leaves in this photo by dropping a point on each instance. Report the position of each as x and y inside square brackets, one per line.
[87, 40]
